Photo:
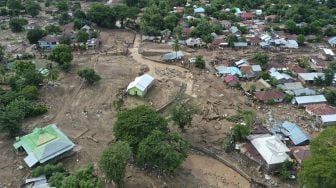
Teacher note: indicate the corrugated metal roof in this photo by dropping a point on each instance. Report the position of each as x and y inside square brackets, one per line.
[228, 70]
[294, 132]
[41, 144]
[173, 55]
[310, 99]
[141, 82]
[271, 149]
[328, 118]
[310, 76]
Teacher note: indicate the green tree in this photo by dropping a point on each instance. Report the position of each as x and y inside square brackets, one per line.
[11, 118]
[261, 59]
[14, 5]
[52, 29]
[53, 73]
[290, 26]
[89, 75]
[62, 54]
[176, 46]
[136, 124]
[164, 151]
[200, 63]
[32, 8]
[319, 169]
[232, 39]
[16, 24]
[301, 40]
[240, 132]
[62, 5]
[114, 160]
[331, 96]
[34, 35]
[102, 15]
[182, 115]
[82, 36]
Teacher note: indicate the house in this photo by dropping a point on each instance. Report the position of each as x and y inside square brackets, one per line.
[313, 99]
[271, 95]
[31, 26]
[255, 41]
[247, 71]
[295, 69]
[300, 153]
[37, 182]
[258, 12]
[317, 64]
[242, 62]
[332, 41]
[178, 9]
[256, 69]
[309, 77]
[290, 86]
[186, 32]
[265, 38]
[270, 147]
[270, 18]
[303, 92]
[218, 42]
[326, 54]
[329, 119]
[199, 10]
[234, 30]
[260, 85]
[240, 44]
[280, 77]
[231, 80]
[224, 71]
[48, 42]
[92, 43]
[320, 109]
[192, 42]
[226, 24]
[294, 132]
[140, 85]
[172, 56]
[43, 144]
[247, 16]
[68, 30]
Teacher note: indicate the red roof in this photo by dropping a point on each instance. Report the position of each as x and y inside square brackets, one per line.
[179, 9]
[321, 109]
[246, 69]
[255, 40]
[230, 78]
[269, 95]
[247, 15]
[218, 41]
[301, 153]
[296, 68]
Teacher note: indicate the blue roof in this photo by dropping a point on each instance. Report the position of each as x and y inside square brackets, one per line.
[294, 132]
[199, 10]
[228, 70]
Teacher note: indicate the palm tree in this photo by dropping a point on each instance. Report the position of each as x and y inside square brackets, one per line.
[176, 46]
[53, 72]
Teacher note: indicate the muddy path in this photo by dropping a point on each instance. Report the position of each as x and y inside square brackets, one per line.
[154, 66]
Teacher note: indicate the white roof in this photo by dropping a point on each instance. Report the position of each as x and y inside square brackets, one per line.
[328, 51]
[310, 76]
[279, 76]
[291, 86]
[271, 149]
[310, 99]
[256, 68]
[141, 82]
[328, 118]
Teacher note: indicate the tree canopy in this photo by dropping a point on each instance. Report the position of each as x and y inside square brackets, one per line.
[89, 75]
[114, 160]
[164, 151]
[136, 124]
[62, 54]
[319, 170]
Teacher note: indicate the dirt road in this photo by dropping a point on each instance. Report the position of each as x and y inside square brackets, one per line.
[153, 66]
